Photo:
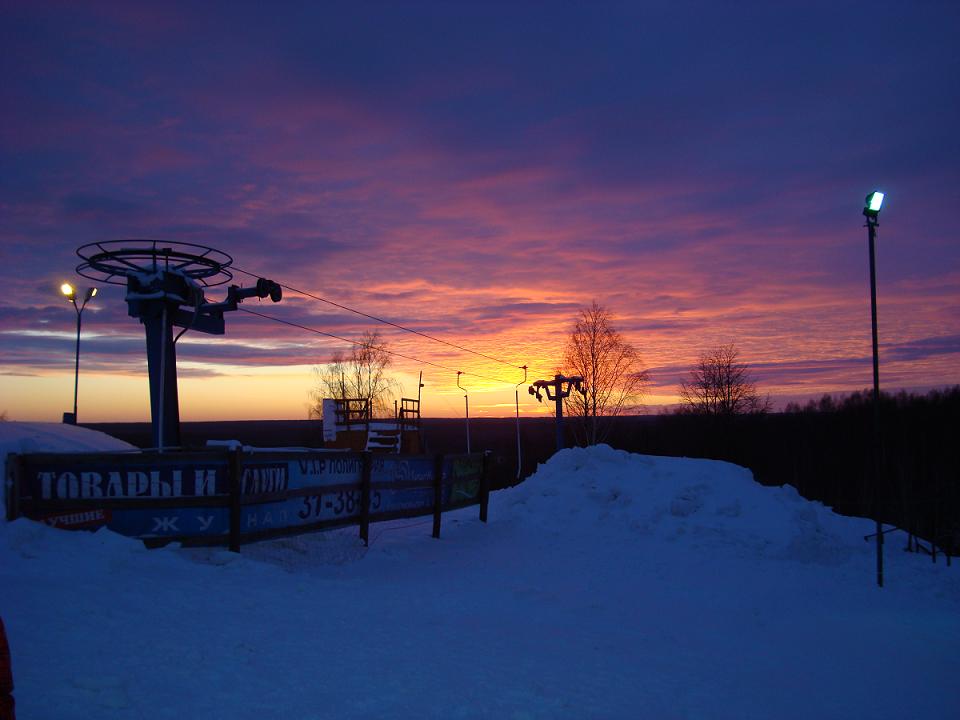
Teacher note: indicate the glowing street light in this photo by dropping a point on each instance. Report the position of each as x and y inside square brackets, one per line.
[872, 206]
[71, 294]
[871, 211]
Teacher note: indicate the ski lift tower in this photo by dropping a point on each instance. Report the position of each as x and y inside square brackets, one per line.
[165, 289]
[558, 395]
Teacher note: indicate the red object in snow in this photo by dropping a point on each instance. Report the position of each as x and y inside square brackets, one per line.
[7, 711]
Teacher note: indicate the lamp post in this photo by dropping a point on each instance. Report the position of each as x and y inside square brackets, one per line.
[871, 211]
[516, 394]
[466, 405]
[71, 294]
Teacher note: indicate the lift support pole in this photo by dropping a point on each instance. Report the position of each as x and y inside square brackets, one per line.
[556, 392]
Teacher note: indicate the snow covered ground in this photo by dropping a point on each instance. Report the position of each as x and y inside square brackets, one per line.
[608, 585]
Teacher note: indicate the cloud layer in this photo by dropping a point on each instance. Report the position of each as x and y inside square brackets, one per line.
[479, 173]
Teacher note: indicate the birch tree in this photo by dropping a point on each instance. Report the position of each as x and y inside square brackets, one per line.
[613, 374]
[721, 385]
[359, 375]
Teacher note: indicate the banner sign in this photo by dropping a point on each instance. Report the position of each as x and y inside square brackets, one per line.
[87, 476]
[189, 496]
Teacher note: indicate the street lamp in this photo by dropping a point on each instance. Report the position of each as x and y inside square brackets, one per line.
[71, 294]
[466, 405]
[871, 211]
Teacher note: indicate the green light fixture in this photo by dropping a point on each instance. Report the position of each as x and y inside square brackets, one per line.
[872, 205]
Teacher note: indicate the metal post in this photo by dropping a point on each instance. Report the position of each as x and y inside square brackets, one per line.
[484, 490]
[162, 369]
[365, 470]
[76, 369]
[235, 476]
[437, 494]
[466, 403]
[558, 394]
[872, 235]
[516, 392]
[163, 372]
[560, 443]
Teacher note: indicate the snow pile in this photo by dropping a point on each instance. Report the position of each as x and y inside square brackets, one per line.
[607, 586]
[35, 437]
[705, 504]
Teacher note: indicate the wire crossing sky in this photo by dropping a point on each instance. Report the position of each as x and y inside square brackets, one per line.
[471, 175]
[385, 322]
[385, 349]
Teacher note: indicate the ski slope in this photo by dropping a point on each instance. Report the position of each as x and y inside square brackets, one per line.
[608, 585]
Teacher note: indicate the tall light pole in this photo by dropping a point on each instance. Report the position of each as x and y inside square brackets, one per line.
[871, 211]
[466, 405]
[516, 393]
[71, 294]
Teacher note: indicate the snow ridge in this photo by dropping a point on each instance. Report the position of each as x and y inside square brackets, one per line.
[704, 503]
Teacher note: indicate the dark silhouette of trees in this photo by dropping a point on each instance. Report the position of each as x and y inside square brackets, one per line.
[614, 377]
[361, 375]
[721, 385]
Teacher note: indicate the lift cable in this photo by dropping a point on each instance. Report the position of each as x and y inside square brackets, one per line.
[386, 322]
[363, 344]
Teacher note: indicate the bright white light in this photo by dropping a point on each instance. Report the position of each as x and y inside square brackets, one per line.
[874, 201]
[67, 289]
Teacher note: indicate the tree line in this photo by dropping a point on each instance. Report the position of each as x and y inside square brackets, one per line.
[615, 379]
[821, 447]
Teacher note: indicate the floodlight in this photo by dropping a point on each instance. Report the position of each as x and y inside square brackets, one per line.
[871, 211]
[872, 205]
[67, 290]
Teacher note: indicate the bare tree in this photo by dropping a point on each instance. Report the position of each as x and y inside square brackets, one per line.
[361, 375]
[721, 385]
[613, 374]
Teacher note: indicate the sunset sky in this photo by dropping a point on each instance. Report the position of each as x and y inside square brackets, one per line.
[479, 172]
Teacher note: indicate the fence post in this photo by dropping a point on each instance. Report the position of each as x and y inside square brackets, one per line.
[235, 471]
[365, 497]
[484, 486]
[437, 494]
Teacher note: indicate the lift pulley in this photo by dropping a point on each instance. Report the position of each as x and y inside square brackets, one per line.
[165, 284]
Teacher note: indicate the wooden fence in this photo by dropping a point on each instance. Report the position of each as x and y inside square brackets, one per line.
[230, 497]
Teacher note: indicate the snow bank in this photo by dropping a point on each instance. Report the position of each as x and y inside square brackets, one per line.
[27, 437]
[608, 585]
[703, 503]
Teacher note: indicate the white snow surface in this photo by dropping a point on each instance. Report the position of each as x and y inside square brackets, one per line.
[608, 585]
[35, 437]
